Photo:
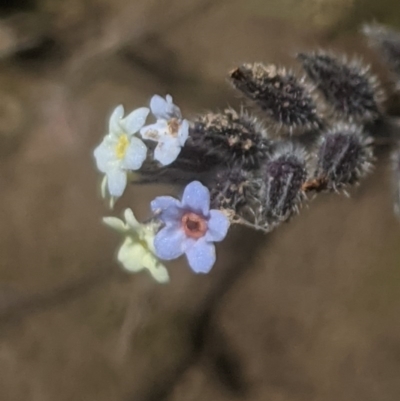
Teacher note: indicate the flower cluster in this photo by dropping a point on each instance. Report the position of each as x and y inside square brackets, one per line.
[175, 227]
[121, 151]
[321, 132]
[190, 227]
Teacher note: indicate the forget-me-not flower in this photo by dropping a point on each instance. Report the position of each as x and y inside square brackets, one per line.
[170, 130]
[121, 151]
[137, 250]
[190, 227]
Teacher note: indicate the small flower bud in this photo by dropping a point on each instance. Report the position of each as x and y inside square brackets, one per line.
[284, 175]
[344, 156]
[279, 93]
[230, 137]
[347, 86]
[387, 41]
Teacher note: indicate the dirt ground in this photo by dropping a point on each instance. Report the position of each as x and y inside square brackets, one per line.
[307, 313]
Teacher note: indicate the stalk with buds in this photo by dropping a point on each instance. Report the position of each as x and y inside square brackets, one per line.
[295, 135]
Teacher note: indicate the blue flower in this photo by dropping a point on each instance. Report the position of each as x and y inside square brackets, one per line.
[190, 227]
[170, 130]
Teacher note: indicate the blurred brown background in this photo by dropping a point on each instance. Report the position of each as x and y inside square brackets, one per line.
[310, 312]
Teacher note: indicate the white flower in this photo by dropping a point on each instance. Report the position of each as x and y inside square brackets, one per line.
[137, 250]
[120, 151]
[170, 130]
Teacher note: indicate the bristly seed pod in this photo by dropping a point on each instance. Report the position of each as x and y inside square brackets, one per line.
[230, 188]
[396, 180]
[284, 175]
[387, 41]
[347, 86]
[344, 156]
[231, 137]
[287, 100]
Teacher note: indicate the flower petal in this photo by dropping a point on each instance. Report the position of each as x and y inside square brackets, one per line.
[172, 109]
[131, 255]
[162, 203]
[164, 108]
[156, 268]
[135, 120]
[135, 154]
[169, 243]
[201, 256]
[218, 226]
[131, 220]
[116, 180]
[115, 119]
[104, 155]
[159, 107]
[115, 223]
[196, 197]
[147, 233]
[154, 132]
[183, 133]
[167, 151]
[169, 208]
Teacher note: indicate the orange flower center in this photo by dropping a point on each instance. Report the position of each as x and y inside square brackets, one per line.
[195, 226]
